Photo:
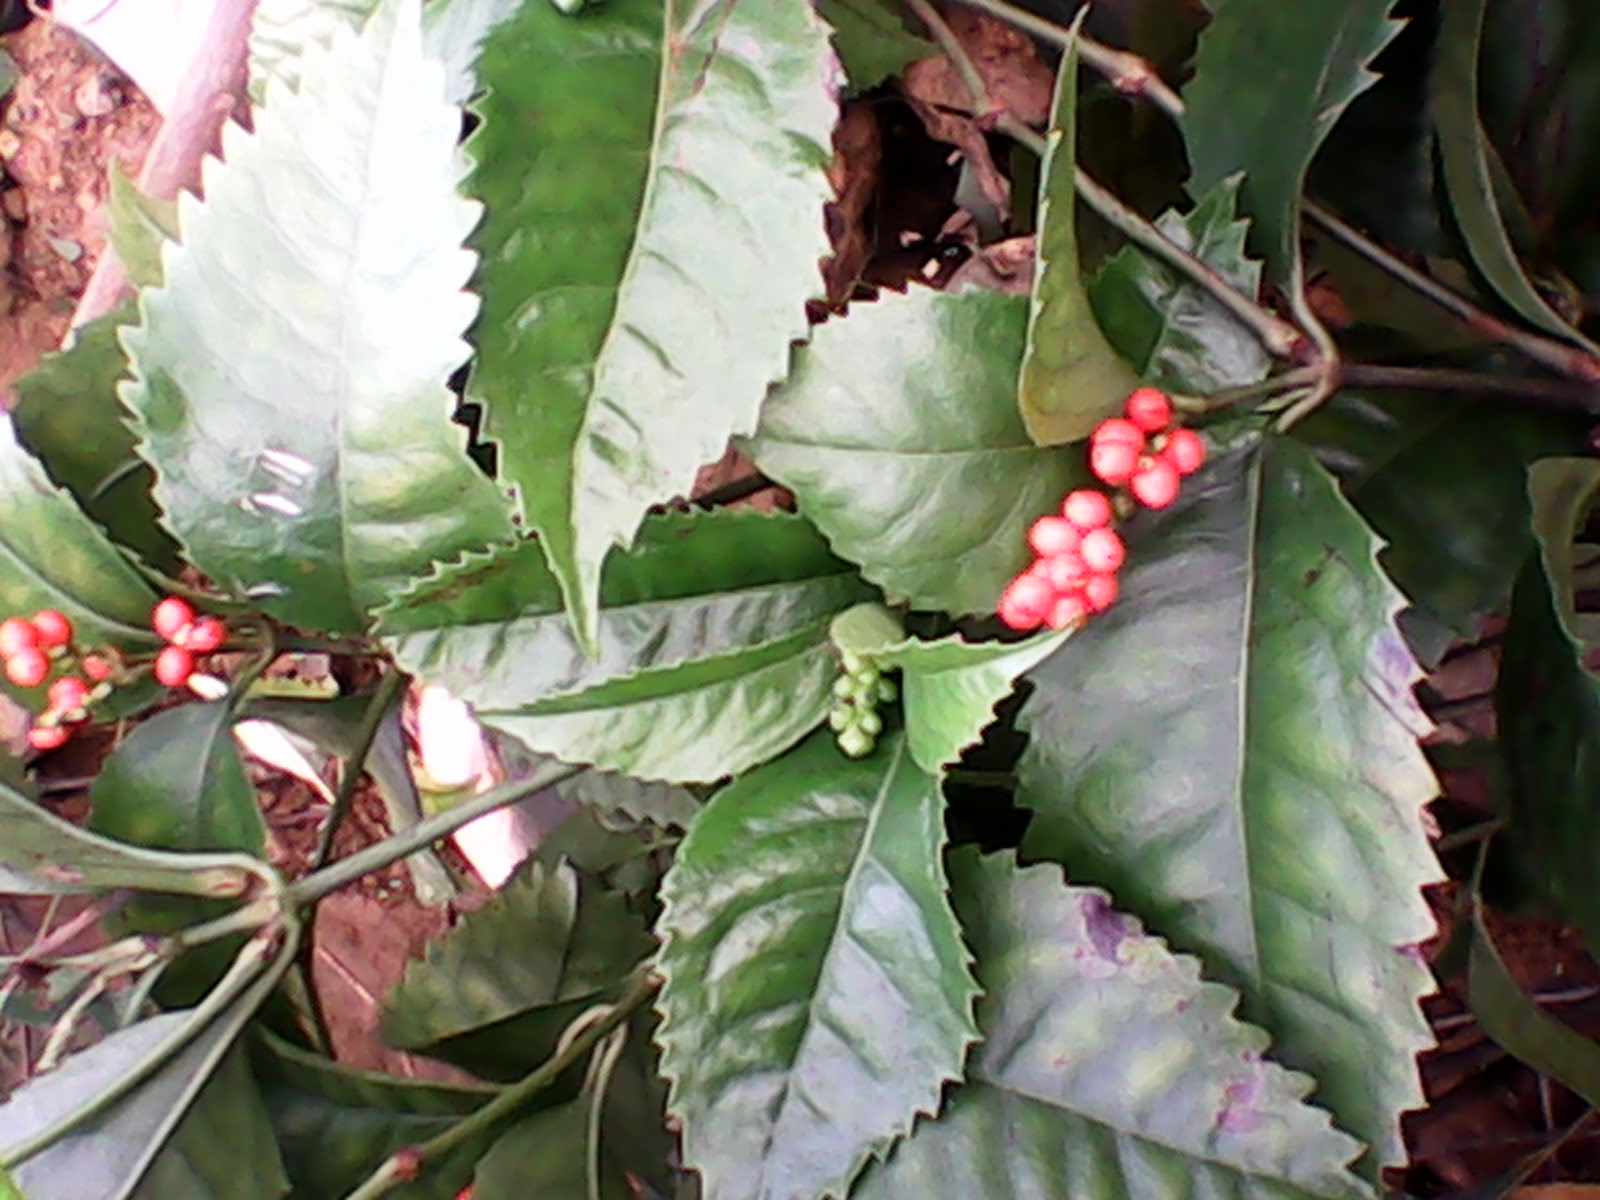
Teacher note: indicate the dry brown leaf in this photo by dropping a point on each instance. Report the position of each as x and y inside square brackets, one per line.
[857, 157]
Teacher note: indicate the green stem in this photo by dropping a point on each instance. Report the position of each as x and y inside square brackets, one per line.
[1547, 352]
[245, 970]
[401, 1167]
[424, 833]
[1281, 339]
[1127, 72]
[378, 707]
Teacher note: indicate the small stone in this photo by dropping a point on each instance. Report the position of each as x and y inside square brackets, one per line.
[66, 248]
[96, 96]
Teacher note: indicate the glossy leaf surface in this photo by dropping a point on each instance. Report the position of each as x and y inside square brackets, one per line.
[1547, 707]
[1464, 166]
[1109, 1070]
[1071, 378]
[654, 179]
[1231, 748]
[816, 995]
[1446, 487]
[693, 586]
[41, 854]
[177, 783]
[300, 432]
[712, 654]
[52, 556]
[549, 936]
[1173, 333]
[1270, 81]
[336, 1124]
[67, 413]
[898, 433]
[949, 687]
[223, 1147]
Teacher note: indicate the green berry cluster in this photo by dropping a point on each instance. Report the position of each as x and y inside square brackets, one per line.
[857, 693]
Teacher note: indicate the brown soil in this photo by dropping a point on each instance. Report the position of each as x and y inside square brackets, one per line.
[70, 116]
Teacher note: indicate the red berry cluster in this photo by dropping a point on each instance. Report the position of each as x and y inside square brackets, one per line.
[187, 634]
[1076, 571]
[1142, 451]
[1079, 554]
[28, 648]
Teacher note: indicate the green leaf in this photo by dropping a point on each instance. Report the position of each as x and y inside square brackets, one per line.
[140, 225]
[1071, 378]
[1175, 334]
[52, 556]
[335, 1124]
[544, 1155]
[654, 177]
[1521, 1027]
[1231, 750]
[223, 1147]
[816, 996]
[694, 586]
[1547, 708]
[40, 854]
[549, 936]
[604, 792]
[712, 652]
[949, 687]
[67, 413]
[105, 1154]
[873, 39]
[898, 432]
[281, 30]
[177, 782]
[8, 1188]
[1464, 162]
[1446, 486]
[290, 377]
[1269, 82]
[1562, 493]
[1108, 1070]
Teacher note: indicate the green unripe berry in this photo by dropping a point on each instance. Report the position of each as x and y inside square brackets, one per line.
[866, 677]
[851, 662]
[870, 723]
[886, 691]
[841, 717]
[844, 687]
[856, 743]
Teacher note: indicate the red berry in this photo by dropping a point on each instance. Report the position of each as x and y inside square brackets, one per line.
[1113, 462]
[1064, 572]
[1149, 409]
[1068, 610]
[96, 668]
[17, 633]
[1115, 429]
[174, 665]
[204, 636]
[68, 694]
[1184, 450]
[1099, 592]
[1087, 509]
[1155, 485]
[1102, 550]
[54, 629]
[48, 738]
[171, 617]
[1025, 602]
[1053, 535]
[27, 667]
